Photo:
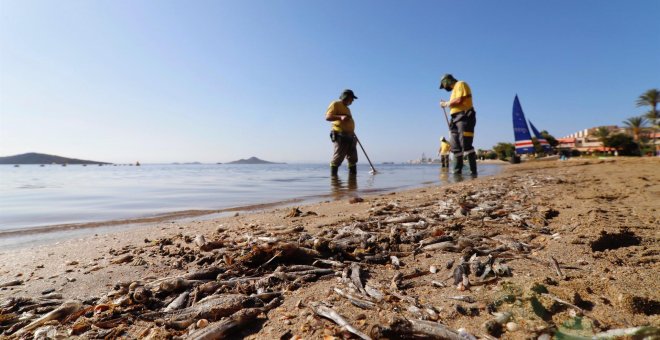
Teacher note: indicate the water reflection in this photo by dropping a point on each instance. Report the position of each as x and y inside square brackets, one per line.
[341, 189]
[444, 175]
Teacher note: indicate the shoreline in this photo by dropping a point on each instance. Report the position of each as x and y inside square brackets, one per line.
[86, 228]
[580, 201]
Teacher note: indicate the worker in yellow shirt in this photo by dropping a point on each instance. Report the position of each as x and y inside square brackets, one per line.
[342, 134]
[444, 152]
[463, 120]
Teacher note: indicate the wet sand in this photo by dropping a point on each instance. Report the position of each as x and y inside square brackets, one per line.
[600, 222]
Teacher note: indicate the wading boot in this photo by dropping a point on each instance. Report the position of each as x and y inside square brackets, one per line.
[472, 159]
[352, 170]
[458, 165]
[333, 170]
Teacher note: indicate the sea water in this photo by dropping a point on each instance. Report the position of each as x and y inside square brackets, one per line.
[34, 196]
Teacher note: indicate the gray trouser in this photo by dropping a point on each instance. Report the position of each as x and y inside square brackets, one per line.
[345, 146]
[444, 160]
[462, 132]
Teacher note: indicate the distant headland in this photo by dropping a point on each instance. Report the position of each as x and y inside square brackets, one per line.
[41, 158]
[252, 160]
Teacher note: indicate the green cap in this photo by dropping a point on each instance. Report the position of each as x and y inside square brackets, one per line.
[446, 80]
[347, 94]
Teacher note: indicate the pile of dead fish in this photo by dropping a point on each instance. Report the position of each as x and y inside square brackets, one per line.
[233, 279]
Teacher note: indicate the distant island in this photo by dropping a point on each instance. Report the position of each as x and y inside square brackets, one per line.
[252, 160]
[40, 158]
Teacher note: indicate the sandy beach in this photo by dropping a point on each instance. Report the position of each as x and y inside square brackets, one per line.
[571, 240]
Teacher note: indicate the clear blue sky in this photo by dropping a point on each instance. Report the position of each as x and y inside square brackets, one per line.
[214, 81]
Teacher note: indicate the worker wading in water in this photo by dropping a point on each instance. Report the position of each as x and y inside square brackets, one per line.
[343, 133]
[463, 120]
[444, 152]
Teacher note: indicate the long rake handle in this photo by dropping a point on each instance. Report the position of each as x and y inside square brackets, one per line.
[447, 119]
[365, 153]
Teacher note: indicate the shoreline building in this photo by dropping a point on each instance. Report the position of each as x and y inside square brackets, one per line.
[587, 141]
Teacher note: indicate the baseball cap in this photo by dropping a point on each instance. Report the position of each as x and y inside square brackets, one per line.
[445, 80]
[348, 93]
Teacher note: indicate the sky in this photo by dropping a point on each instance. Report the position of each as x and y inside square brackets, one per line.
[215, 81]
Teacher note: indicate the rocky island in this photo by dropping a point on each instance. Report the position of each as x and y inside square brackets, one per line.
[252, 160]
[41, 158]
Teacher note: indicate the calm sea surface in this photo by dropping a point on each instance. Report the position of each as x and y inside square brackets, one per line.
[32, 196]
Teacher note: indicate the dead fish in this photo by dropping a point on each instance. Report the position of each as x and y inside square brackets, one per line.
[123, 259]
[402, 219]
[204, 274]
[374, 293]
[200, 241]
[494, 326]
[141, 294]
[414, 310]
[430, 329]
[434, 239]
[501, 269]
[220, 329]
[461, 279]
[449, 264]
[211, 308]
[59, 313]
[464, 298]
[52, 296]
[329, 313]
[209, 287]
[355, 300]
[11, 283]
[438, 284]
[179, 302]
[447, 245]
[175, 284]
[355, 277]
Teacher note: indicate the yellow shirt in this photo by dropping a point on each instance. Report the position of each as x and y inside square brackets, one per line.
[461, 89]
[444, 148]
[338, 108]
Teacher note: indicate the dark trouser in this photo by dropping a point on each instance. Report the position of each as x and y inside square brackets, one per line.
[345, 146]
[462, 134]
[444, 160]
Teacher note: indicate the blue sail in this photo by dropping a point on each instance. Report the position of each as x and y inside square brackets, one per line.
[544, 143]
[520, 130]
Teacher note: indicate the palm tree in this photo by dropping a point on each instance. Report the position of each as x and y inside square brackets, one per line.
[635, 124]
[650, 98]
[602, 134]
